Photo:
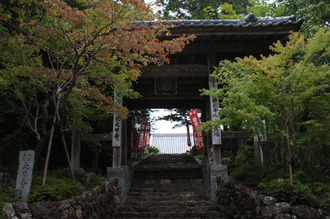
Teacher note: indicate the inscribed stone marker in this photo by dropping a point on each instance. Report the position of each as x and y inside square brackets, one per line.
[24, 173]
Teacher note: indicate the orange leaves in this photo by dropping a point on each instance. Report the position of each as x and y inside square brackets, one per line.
[102, 37]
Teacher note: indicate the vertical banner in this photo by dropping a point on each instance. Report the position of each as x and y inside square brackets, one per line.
[148, 135]
[214, 102]
[188, 134]
[196, 142]
[198, 135]
[144, 136]
[140, 145]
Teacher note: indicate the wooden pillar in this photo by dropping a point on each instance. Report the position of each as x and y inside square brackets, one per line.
[214, 109]
[206, 139]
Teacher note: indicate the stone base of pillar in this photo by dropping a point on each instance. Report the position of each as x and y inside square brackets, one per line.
[125, 175]
[219, 170]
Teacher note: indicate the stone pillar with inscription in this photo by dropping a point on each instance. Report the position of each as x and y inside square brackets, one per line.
[116, 136]
[116, 141]
[123, 173]
[24, 173]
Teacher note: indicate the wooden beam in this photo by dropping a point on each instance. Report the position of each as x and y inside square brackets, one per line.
[102, 137]
[235, 134]
[191, 70]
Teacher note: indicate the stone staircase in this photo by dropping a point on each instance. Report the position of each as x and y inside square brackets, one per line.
[167, 186]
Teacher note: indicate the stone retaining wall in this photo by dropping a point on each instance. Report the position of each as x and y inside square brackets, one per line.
[100, 202]
[238, 201]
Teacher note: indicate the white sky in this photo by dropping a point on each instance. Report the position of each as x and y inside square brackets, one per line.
[166, 126]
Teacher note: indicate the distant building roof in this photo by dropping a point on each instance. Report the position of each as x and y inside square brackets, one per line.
[248, 21]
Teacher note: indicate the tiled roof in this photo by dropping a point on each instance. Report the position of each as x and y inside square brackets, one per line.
[248, 21]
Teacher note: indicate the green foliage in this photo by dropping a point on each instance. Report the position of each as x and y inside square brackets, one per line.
[249, 173]
[227, 12]
[7, 195]
[263, 8]
[290, 90]
[152, 149]
[59, 185]
[87, 179]
[54, 189]
[199, 9]
[200, 157]
[297, 194]
[315, 12]
[320, 189]
[244, 153]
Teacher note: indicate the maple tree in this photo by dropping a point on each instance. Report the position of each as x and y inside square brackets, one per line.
[63, 59]
[290, 90]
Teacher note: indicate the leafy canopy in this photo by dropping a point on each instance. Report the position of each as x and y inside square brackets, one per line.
[65, 58]
[290, 90]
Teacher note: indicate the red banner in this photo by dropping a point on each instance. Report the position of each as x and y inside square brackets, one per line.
[147, 135]
[144, 136]
[198, 135]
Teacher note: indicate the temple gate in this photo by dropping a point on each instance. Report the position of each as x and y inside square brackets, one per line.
[178, 84]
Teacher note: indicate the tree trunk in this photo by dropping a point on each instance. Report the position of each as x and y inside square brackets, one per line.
[67, 155]
[40, 146]
[290, 156]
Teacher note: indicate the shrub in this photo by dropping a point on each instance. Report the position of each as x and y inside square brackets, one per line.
[200, 157]
[322, 191]
[244, 153]
[152, 149]
[297, 194]
[55, 189]
[249, 173]
[87, 179]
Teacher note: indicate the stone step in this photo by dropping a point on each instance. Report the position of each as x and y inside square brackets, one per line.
[166, 181]
[134, 208]
[168, 188]
[167, 195]
[162, 173]
[172, 203]
[161, 185]
[181, 214]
